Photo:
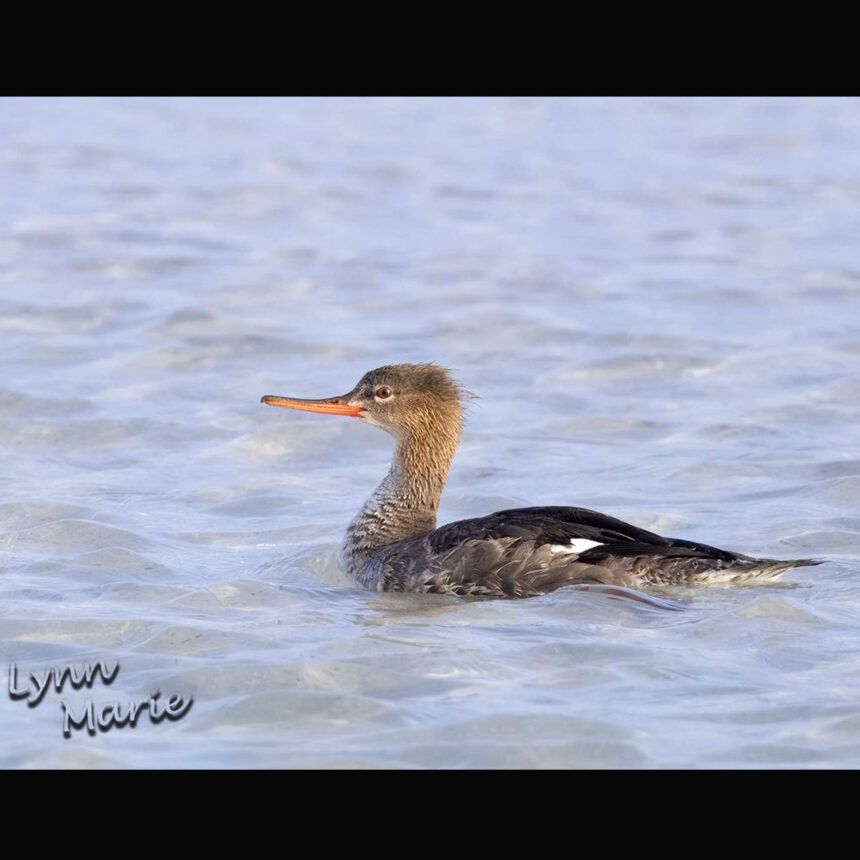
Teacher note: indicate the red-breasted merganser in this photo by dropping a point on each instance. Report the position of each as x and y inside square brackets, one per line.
[393, 543]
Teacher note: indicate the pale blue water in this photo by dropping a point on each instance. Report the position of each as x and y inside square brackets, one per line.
[659, 304]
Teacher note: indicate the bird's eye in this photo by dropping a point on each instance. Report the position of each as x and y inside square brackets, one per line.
[383, 392]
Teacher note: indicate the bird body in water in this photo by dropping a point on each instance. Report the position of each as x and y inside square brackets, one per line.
[393, 543]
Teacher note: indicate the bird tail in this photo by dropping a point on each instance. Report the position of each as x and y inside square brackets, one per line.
[771, 568]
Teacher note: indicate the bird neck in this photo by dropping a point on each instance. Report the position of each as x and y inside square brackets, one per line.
[404, 505]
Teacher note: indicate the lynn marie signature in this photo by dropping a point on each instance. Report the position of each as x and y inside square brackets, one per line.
[95, 717]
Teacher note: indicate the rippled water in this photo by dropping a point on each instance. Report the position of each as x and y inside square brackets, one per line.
[659, 304]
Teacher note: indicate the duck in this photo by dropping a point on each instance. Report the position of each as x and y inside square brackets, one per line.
[394, 543]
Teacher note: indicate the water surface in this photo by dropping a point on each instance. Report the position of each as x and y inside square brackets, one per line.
[658, 302]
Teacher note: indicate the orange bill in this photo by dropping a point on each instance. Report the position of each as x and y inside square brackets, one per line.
[331, 406]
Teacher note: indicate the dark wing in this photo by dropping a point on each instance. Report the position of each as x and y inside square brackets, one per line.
[560, 525]
[520, 553]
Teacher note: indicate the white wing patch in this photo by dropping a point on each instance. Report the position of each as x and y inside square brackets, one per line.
[576, 546]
